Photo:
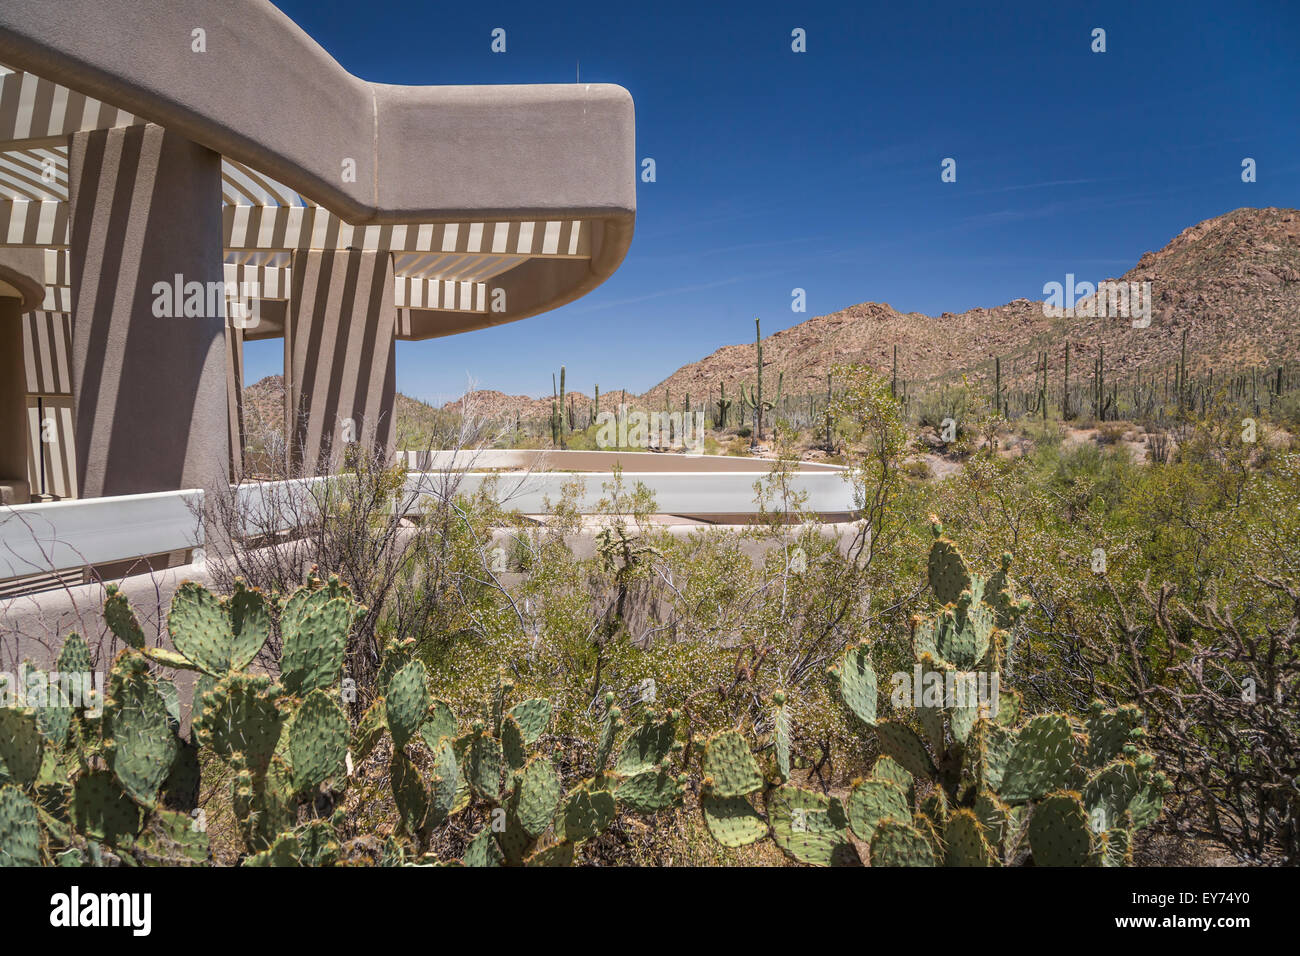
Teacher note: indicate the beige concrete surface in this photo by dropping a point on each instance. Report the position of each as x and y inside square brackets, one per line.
[149, 391]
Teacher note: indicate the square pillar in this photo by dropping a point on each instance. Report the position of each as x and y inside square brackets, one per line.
[235, 398]
[149, 365]
[339, 357]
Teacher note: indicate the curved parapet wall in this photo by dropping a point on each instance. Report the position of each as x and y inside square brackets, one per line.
[265, 94]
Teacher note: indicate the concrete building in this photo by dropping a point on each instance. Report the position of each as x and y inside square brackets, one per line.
[178, 177]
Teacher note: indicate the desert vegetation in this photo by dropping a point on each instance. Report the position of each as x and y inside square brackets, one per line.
[452, 682]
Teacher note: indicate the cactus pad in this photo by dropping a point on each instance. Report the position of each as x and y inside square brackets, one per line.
[440, 723]
[1116, 846]
[532, 716]
[935, 806]
[993, 816]
[732, 821]
[1058, 831]
[52, 720]
[539, 793]
[121, 619]
[899, 741]
[967, 844]
[135, 715]
[74, 658]
[318, 741]
[781, 742]
[647, 746]
[512, 745]
[857, 680]
[896, 843]
[872, 801]
[250, 623]
[650, 791]
[370, 730]
[312, 656]
[199, 625]
[406, 702]
[729, 768]
[445, 782]
[409, 793]
[20, 833]
[887, 768]
[175, 838]
[810, 827]
[1108, 732]
[585, 814]
[1120, 787]
[239, 716]
[21, 746]
[1041, 759]
[948, 573]
[483, 850]
[612, 724]
[557, 854]
[483, 766]
[102, 810]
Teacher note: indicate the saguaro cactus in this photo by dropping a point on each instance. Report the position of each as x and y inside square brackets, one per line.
[724, 405]
[1065, 392]
[758, 398]
[562, 423]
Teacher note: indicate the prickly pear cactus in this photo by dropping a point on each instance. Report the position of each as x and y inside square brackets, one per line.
[1057, 790]
[962, 779]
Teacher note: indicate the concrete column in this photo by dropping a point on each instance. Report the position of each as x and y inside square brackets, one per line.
[339, 365]
[149, 368]
[14, 489]
[235, 398]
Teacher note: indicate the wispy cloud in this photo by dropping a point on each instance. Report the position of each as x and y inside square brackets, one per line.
[1043, 185]
[677, 290]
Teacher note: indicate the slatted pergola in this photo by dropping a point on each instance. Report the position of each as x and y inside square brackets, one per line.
[93, 152]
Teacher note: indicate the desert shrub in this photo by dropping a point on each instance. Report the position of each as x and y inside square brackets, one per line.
[1285, 411]
[1172, 587]
[289, 779]
[917, 468]
[1207, 527]
[1108, 433]
[962, 403]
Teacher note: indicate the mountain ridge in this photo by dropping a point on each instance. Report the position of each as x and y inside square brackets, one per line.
[1232, 282]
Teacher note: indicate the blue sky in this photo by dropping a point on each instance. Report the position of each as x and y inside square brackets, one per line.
[821, 170]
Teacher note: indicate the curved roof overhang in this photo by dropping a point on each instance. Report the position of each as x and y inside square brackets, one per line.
[530, 188]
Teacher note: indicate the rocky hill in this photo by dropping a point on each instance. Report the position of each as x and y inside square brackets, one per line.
[1232, 282]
